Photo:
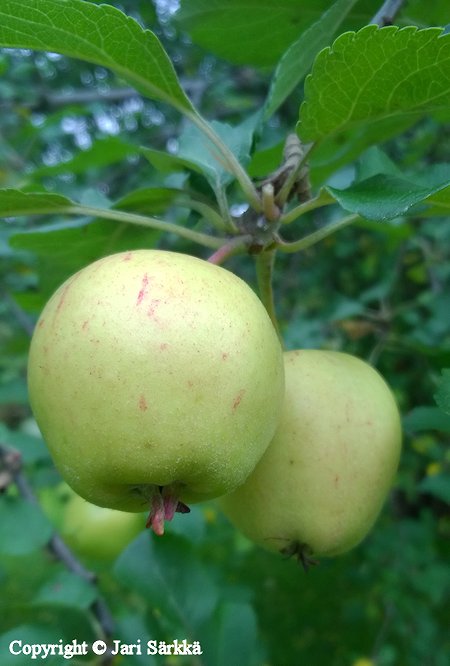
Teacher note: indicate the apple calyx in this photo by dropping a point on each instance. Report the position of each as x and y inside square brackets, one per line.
[301, 552]
[163, 505]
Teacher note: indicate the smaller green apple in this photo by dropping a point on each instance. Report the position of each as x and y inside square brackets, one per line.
[320, 485]
[96, 532]
[91, 531]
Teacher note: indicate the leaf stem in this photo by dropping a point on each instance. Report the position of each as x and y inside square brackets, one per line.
[224, 208]
[229, 160]
[144, 221]
[235, 245]
[265, 262]
[317, 236]
[322, 199]
[205, 210]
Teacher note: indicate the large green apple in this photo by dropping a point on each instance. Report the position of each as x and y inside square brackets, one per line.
[157, 380]
[320, 485]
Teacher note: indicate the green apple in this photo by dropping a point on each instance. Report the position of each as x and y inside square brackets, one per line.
[156, 379]
[321, 484]
[95, 532]
[90, 531]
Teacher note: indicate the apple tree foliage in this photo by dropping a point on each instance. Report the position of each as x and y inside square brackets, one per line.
[140, 124]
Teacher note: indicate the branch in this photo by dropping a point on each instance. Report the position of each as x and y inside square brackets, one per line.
[49, 99]
[46, 99]
[11, 463]
[387, 12]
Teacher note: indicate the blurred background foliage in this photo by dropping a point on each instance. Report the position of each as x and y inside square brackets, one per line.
[380, 291]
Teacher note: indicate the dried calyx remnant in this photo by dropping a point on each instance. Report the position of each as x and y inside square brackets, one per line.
[301, 552]
[289, 180]
[163, 505]
[293, 172]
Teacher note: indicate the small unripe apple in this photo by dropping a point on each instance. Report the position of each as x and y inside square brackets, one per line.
[321, 484]
[156, 378]
[90, 531]
[95, 532]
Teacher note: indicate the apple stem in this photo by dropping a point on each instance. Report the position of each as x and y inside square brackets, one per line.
[164, 505]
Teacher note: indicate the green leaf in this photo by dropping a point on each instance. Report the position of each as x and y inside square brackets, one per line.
[231, 636]
[374, 161]
[374, 74]
[66, 589]
[15, 202]
[383, 197]
[439, 202]
[168, 163]
[433, 174]
[32, 449]
[246, 32]
[171, 576]
[426, 418]
[434, 582]
[72, 244]
[14, 391]
[100, 34]
[442, 396]
[62, 249]
[196, 148]
[427, 13]
[29, 635]
[131, 625]
[341, 149]
[103, 35]
[190, 526]
[265, 160]
[437, 485]
[150, 200]
[23, 527]
[297, 60]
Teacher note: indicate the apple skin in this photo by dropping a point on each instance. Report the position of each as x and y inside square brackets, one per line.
[152, 372]
[322, 482]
